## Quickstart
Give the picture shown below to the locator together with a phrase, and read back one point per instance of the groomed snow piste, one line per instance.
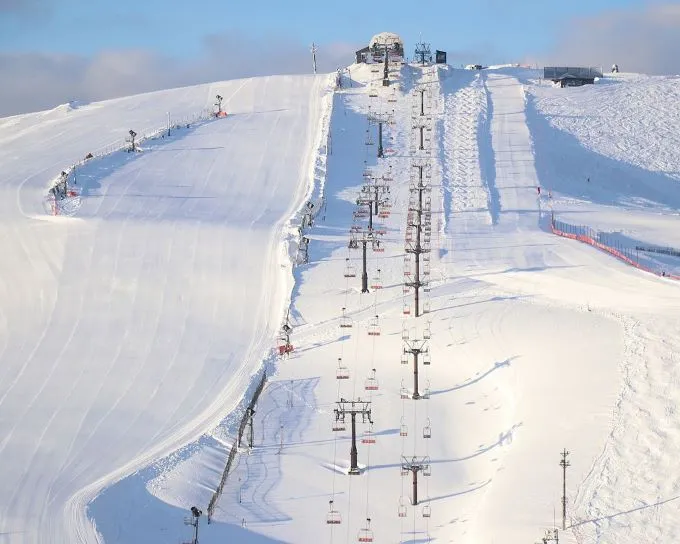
(131, 330)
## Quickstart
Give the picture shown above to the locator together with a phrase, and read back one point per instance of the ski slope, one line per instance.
(538, 343)
(130, 328)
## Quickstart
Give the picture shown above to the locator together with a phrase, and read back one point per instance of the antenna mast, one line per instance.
(314, 49)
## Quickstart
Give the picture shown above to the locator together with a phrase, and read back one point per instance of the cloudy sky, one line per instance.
(53, 51)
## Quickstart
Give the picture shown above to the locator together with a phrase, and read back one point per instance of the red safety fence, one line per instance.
(583, 234)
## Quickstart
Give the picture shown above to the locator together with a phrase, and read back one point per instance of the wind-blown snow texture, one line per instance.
(131, 329)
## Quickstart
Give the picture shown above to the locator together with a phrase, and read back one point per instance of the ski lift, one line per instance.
(339, 426)
(371, 383)
(401, 512)
(350, 269)
(426, 287)
(427, 469)
(345, 320)
(369, 437)
(285, 348)
(427, 358)
(383, 214)
(427, 333)
(426, 307)
(426, 392)
(427, 511)
(403, 429)
(333, 517)
(342, 373)
(365, 534)
(404, 332)
(427, 430)
(374, 327)
(407, 309)
(404, 357)
(377, 247)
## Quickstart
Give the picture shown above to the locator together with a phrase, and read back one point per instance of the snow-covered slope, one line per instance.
(129, 328)
(133, 328)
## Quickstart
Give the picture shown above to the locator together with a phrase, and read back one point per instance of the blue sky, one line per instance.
(502, 28)
(54, 51)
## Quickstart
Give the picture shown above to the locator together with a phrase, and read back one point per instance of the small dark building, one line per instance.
(571, 76)
(440, 57)
(363, 54)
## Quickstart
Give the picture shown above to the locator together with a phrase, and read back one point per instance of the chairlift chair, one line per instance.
(426, 392)
(427, 430)
(427, 468)
(371, 383)
(427, 359)
(333, 517)
(369, 437)
(376, 281)
(404, 332)
(374, 327)
(365, 534)
(427, 511)
(403, 429)
(350, 269)
(401, 512)
(342, 373)
(285, 348)
(407, 309)
(345, 320)
(404, 358)
(426, 307)
(339, 425)
(427, 333)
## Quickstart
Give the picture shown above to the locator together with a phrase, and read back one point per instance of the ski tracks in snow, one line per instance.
(631, 493)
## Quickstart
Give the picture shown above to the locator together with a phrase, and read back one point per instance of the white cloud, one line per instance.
(645, 40)
(36, 81)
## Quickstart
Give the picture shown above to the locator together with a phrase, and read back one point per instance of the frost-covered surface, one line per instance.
(539, 343)
(130, 328)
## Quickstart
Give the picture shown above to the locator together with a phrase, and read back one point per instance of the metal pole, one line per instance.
(168, 123)
(196, 532)
(416, 394)
(564, 464)
(421, 138)
(415, 485)
(422, 98)
(376, 200)
(354, 467)
(417, 285)
(314, 57)
(370, 216)
(364, 274)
